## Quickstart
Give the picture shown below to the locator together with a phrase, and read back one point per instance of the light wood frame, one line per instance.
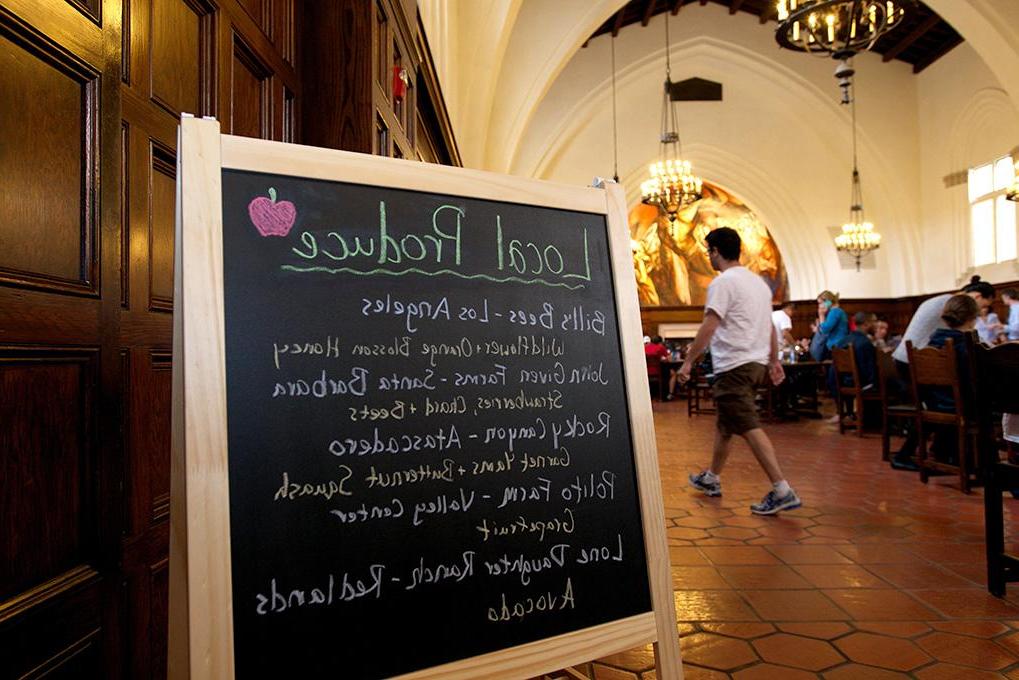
(201, 602)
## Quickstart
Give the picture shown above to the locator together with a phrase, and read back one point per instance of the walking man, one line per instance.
(737, 324)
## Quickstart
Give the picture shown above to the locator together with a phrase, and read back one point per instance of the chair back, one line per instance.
(996, 377)
(931, 367)
(887, 375)
(654, 366)
(844, 363)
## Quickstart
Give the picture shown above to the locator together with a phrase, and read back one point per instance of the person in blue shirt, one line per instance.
(1011, 298)
(833, 324)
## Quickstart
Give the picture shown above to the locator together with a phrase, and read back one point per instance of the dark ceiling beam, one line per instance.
(618, 24)
(676, 6)
(734, 6)
(918, 32)
(937, 54)
(704, 2)
(648, 11)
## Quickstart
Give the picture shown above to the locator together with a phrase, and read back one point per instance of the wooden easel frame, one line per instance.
(201, 645)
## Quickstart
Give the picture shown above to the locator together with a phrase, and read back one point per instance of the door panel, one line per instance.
(48, 171)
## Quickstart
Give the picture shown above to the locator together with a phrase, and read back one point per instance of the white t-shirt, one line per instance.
(743, 301)
(782, 323)
(925, 321)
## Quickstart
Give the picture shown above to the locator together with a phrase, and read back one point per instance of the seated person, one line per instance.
(960, 315)
(863, 351)
(880, 336)
(657, 349)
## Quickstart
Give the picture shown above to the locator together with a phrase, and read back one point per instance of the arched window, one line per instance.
(992, 216)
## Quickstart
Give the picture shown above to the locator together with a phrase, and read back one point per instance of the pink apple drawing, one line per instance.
(272, 217)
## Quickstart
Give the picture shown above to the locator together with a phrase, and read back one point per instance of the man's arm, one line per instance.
(700, 343)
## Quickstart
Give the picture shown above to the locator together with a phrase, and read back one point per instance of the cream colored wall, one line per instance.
(779, 139)
(526, 99)
(965, 119)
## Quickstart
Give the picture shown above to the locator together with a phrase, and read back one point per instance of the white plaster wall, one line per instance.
(779, 139)
(525, 99)
(965, 119)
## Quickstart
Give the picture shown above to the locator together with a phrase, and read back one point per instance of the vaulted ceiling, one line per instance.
(922, 39)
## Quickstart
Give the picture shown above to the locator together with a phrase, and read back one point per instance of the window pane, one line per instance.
(981, 181)
(1003, 173)
(982, 229)
(1005, 228)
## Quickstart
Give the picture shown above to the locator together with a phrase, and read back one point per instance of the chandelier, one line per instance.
(1013, 191)
(858, 236)
(672, 184)
(837, 28)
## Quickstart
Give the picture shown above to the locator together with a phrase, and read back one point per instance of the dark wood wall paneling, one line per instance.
(896, 311)
(92, 91)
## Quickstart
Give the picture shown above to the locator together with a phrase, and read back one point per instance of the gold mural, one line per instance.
(671, 261)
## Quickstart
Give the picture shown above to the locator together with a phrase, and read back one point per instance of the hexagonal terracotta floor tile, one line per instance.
(744, 630)
(981, 629)
(966, 651)
(640, 659)
(767, 671)
(799, 652)
(854, 671)
(716, 651)
(903, 629)
(822, 630)
(948, 671)
(886, 652)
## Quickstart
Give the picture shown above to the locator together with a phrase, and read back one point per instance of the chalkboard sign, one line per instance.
(429, 450)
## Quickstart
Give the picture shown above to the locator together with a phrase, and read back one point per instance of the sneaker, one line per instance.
(705, 486)
(834, 420)
(772, 504)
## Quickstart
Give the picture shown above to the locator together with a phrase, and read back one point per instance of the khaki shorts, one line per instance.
(734, 392)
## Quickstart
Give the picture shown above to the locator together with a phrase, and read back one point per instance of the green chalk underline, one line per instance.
(441, 272)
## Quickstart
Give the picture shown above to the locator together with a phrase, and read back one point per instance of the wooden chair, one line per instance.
(932, 368)
(995, 377)
(844, 365)
(893, 407)
(654, 375)
(699, 390)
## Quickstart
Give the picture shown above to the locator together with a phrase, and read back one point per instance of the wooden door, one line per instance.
(90, 94)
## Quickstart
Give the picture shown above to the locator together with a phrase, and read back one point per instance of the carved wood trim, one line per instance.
(125, 42)
(93, 9)
(68, 64)
(206, 13)
(79, 576)
(258, 68)
(125, 212)
(162, 159)
(161, 360)
(65, 655)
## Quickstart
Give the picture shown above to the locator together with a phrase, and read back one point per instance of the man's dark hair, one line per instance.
(726, 241)
(657, 340)
(1012, 293)
(862, 318)
(975, 285)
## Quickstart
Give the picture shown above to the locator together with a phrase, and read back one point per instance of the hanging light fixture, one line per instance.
(858, 236)
(672, 184)
(837, 28)
(830, 27)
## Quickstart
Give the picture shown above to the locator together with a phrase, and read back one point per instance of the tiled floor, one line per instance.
(877, 576)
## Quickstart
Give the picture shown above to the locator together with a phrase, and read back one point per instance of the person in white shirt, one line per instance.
(782, 319)
(744, 347)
